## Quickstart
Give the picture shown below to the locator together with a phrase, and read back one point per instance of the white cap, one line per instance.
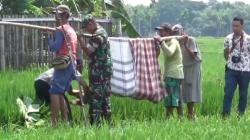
(177, 27)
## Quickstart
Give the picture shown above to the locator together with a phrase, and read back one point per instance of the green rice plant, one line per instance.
(133, 119)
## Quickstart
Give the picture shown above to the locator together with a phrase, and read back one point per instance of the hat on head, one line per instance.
(87, 19)
(164, 26)
(177, 27)
(62, 9)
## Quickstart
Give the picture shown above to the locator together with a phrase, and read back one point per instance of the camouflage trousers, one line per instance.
(99, 104)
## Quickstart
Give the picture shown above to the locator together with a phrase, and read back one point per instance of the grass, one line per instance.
(133, 119)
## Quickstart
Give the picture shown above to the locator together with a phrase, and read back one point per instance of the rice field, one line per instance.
(132, 119)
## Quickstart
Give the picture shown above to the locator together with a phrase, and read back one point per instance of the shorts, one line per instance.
(61, 80)
(173, 87)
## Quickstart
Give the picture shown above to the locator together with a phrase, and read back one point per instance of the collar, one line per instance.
(244, 36)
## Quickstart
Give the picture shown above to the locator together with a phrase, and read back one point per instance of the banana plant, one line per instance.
(112, 8)
(116, 9)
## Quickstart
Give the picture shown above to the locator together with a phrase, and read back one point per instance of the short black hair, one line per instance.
(240, 19)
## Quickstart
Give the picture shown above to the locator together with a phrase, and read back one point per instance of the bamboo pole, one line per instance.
(39, 27)
(171, 37)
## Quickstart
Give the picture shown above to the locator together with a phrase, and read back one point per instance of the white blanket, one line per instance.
(123, 79)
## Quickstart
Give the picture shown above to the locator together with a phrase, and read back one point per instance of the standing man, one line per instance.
(191, 89)
(100, 70)
(237, 55)
(173, 74)
(65, 40)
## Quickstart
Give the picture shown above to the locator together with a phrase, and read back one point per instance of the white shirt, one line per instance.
(47, 76)
(192, 46)
(244, 64)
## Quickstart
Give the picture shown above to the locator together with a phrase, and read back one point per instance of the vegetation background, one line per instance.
(132, 119)
(137, 119)
(199, 18)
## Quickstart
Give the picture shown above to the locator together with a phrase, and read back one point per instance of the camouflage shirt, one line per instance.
(100, 64)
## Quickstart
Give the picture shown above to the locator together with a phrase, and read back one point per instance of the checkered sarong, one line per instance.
(147, 70)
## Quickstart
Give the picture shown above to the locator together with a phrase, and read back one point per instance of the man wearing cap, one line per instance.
(65, 40)
(173, 73)
(191, 89)
(100, 70)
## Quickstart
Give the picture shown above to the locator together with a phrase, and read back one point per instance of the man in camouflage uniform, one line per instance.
(100, 70)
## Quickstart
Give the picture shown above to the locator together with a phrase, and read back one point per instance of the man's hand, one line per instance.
(158, 39)
(46, 33)
(96, 39)
(81, 40)
(184, 38)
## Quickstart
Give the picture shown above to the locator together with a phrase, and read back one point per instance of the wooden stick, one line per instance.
(27, 26)
(171, 37)
(38, 27)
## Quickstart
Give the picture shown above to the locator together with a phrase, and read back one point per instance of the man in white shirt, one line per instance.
(237, 55)
(42, 86)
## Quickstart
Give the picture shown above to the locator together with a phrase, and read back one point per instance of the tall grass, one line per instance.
(135, 119)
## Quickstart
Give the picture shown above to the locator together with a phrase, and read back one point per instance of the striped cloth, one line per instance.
(123, 79)
(147, 70)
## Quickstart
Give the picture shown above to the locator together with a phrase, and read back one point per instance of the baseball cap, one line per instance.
(164, 26)
(87, 19)
(177, 27)
(62, 9)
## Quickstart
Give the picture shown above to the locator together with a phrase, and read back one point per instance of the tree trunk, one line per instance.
(118, 27)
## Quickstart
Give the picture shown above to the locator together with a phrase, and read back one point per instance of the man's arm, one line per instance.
(82, 45)
(169, 50)
(93, 44)
(55, 45)
(192, 49)
(226, 53)
(191, 53)
(226, 49)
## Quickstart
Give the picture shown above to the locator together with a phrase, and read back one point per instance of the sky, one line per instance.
(147, 2)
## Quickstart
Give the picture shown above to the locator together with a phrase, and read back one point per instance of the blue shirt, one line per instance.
(54, 45)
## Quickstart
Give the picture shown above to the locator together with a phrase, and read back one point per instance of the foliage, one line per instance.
(116, 10)
(205, 128)
(99, 8)
(133, 119)
(199, 19)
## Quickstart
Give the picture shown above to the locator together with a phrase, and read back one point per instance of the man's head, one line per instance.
(62, 13)
(89, 24)
(178, 29)
(238, 25)
(164, 30)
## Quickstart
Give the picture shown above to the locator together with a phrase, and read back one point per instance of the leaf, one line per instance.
(27, 101)
(30, 112)
(116, 5)
(33, 108)
(130, 29)
(21, 106)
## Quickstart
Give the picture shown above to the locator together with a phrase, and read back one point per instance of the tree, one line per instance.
(199, 18)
